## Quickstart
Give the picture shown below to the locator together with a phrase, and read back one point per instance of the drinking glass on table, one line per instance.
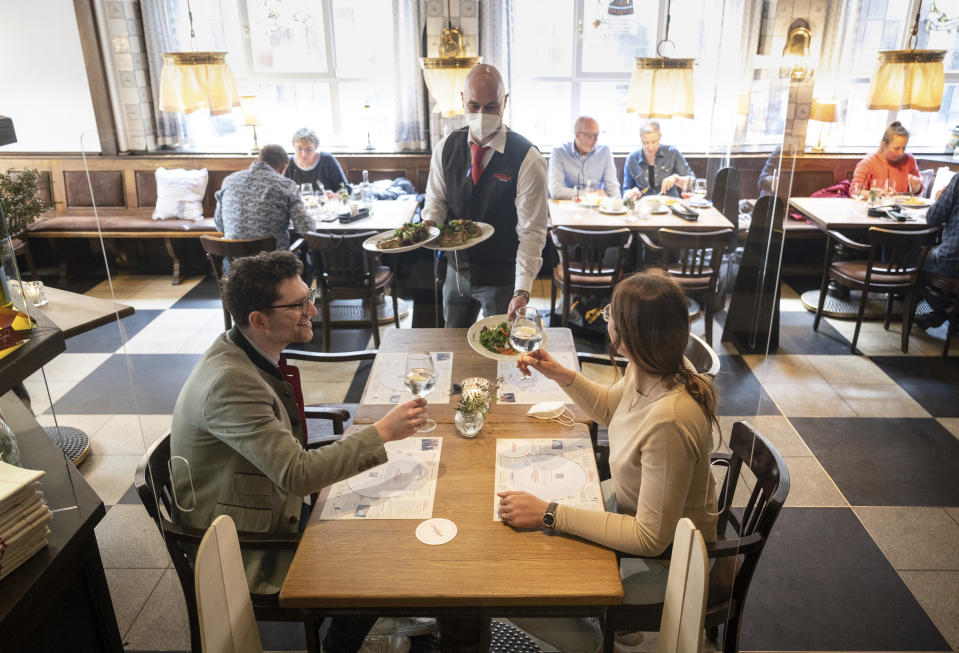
(421, 379)
(855, 188)
(686, 186)
(526, 335)
(306, 194)
(915, 185)
(699, 190)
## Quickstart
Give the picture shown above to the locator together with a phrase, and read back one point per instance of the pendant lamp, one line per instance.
(190, 81)
(662, 87)
(445, 75)
(908, 79)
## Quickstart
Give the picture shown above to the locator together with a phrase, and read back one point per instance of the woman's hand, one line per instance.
(403, 421)
(542, 362)
(521, 509)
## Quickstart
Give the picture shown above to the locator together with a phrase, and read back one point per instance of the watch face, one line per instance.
(549, 519)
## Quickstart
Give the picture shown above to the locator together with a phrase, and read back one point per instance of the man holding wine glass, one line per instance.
(238, 431)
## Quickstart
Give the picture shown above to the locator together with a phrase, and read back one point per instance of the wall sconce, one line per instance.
(796, 63)
(908, 79)
(662, 87)
(445, 75)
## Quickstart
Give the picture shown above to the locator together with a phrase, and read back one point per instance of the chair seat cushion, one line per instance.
(382, 276)
(121, 223)
(686, 283)
(605, 279)
(856, 271)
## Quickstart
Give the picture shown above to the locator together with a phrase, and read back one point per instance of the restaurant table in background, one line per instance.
(384, 215)
(488, 569)
(845, 214)
(566, 213)
(466, 363)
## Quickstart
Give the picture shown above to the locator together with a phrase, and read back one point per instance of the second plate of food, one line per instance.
(453, 241)
(401, 240)
(497, 327)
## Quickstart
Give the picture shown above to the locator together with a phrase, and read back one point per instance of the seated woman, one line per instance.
(890, 164)
(655, 168)
(660, 417)
(310, 166)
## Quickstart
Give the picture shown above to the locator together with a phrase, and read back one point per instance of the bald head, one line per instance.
(585, 134)
(484, 91)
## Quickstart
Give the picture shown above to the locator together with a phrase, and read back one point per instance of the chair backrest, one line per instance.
(744, 533)
(583, 252)
(340, 259)
(898, 251)
(218, 249)
(224, 607)
(725, 195)
(681, 629)
(693, 254)
(702, 356)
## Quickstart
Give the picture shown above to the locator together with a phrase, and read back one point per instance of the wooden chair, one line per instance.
(220, 249)
(582, 267)
(743, 533)
(894, 259)
(155, 489)
(347, 271)
(21, 247)
(684, 608)
(693, 260)
(948, 289)
(224, 608)
(725, 196)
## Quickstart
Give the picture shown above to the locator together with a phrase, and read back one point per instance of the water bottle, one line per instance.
(366, 190)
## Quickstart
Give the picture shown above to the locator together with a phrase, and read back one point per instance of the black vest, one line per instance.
(492, 200)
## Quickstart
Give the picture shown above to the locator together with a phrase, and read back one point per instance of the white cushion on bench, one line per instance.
(180, 193)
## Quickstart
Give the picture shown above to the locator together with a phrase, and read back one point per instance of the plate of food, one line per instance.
(699, 203)
(913, 202)
(613, 206)
(402, 239)
(461, 234)
(490, 338)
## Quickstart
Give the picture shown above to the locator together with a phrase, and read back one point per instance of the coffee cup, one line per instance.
(653, 204)
(614, 204)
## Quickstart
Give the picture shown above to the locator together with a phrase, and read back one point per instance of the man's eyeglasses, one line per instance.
(303, 304)
(590, 134)
(607, 313)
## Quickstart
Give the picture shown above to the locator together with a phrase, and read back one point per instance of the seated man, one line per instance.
(655, 168)
(943, 259)
(237, 424)
(260, 201)
(310, 166)
(582, 162)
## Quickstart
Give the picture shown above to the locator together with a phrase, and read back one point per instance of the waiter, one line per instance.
(488, 173)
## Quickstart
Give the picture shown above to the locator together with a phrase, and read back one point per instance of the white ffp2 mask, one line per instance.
(555, 411)
(483, 125)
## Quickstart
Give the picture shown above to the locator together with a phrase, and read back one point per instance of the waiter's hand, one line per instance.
(428, 223)
(516, 303)
(403, 421)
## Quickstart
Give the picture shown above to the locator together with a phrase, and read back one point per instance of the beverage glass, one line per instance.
(699, 190)
(421, 379)
(686, 186)
(854, 190)
(306, 194)
(526, 335)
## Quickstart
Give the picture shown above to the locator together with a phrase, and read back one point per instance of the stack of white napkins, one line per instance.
(23, 516)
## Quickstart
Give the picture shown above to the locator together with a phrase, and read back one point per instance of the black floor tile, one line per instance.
(823, 585)
(203, 295)
(107, 338)
(931, 380)
(157, 379)
(886, 462)
(796, 336)
(130, 496)
(740, 392)
(355, 393)
(282, 635)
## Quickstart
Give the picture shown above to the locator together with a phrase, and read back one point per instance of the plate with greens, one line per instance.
(490, 338)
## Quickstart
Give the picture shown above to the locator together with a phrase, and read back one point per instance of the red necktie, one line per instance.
(477, 168)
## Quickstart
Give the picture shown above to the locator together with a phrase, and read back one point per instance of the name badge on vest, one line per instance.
(499, 176)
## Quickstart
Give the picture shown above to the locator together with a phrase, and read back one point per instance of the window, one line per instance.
(324, 65)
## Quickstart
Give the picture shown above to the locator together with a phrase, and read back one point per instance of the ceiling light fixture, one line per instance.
(908, 79)
(445, 75)
(662, 87)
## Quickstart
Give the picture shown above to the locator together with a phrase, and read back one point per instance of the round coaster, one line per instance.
(507, 638)
(436, 531)
(72, 441)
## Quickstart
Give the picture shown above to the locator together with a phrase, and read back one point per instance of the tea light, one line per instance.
(476, 385)
(33, 292)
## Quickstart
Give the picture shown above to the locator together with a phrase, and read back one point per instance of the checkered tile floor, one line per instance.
(865, 556)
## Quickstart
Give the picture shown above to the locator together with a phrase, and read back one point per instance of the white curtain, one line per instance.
(411, 112)
(161, 35)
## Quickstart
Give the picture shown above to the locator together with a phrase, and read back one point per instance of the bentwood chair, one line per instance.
(21, 247)
(224, 608)
(583, 267)
(894, 258)
(684, 607)
(347, 271)
(693, 260)
(742, 536)
(219, 250)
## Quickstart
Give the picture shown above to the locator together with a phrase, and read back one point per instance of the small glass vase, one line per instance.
(469, 424)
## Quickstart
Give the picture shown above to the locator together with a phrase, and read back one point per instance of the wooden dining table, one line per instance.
(384, 215)
(466, 364)
(846, 213)
(567, 213)
(357, 566)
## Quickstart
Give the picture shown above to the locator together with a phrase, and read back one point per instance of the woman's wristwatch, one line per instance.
(549, 519)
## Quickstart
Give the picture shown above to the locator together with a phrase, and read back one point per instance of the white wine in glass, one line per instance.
(421, 379)
(526, 335)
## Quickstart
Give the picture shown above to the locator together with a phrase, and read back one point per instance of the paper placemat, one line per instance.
(542, 389)
(401, 488)
(387, 384)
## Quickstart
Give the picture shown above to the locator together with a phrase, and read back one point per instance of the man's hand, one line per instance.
(521, 509)
(403, 421)
(668, 183)
(515, 304)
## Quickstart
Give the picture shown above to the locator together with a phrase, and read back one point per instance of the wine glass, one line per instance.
(306, 194)
(686, 186)
(855, 190)
(699, 190)
(526, 335)
(421, 379)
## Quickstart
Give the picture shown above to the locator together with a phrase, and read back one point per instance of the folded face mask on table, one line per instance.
(555, 411)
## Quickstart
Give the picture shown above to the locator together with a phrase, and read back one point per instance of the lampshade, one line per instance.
(251, 109)
(445, 78)
(823, 111)
(908, 79)
(662, 88)
(190, 81)
(620, 8)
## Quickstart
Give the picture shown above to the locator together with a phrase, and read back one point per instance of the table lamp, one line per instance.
(822, 111)
(251, 117)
